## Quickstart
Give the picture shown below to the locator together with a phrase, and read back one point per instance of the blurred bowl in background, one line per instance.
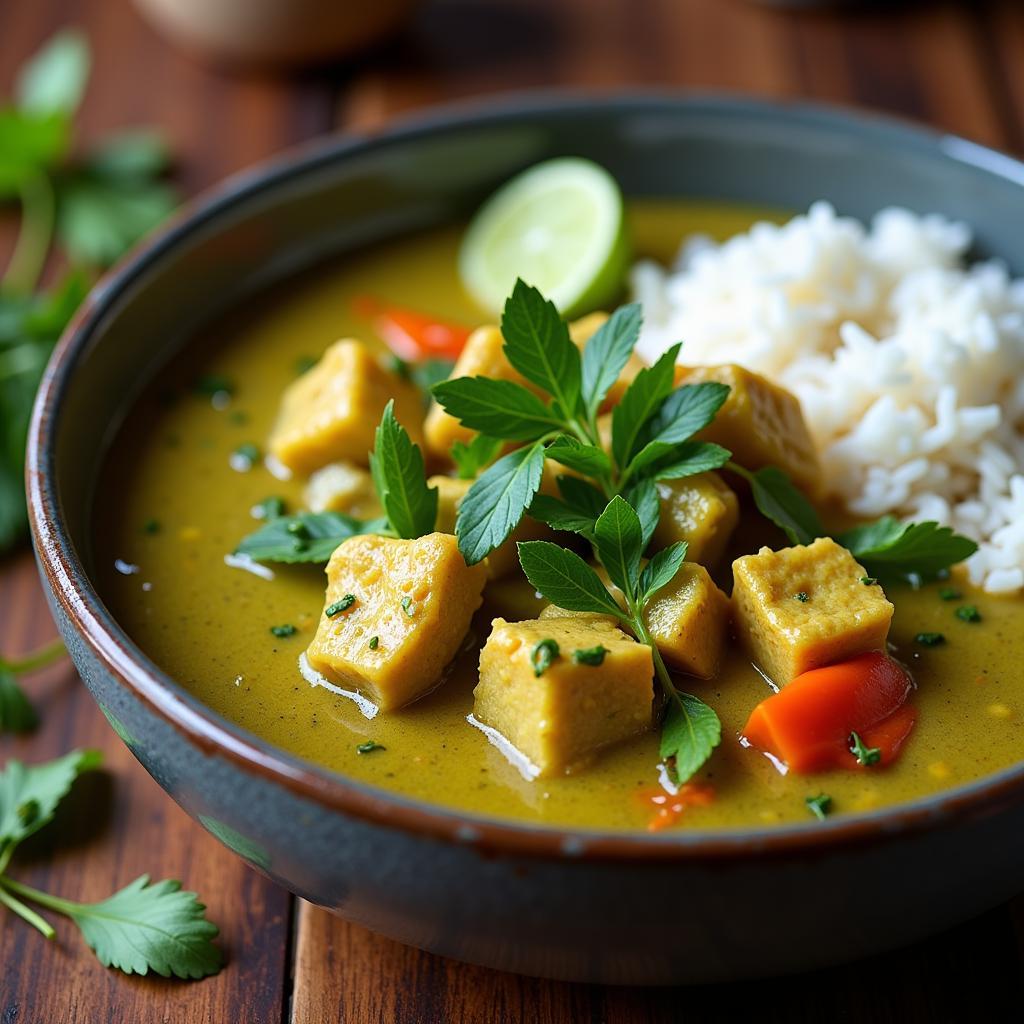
(274, 32)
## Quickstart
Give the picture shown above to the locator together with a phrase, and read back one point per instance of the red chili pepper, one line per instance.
(411, 335)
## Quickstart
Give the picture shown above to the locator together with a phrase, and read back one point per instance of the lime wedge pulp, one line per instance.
(560, 226)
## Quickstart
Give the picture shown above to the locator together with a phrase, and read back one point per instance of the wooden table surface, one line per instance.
(959, 66)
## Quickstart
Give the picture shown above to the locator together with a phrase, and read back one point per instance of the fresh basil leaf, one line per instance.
(564, 578)
(581, 496)
(779, 500)
(685, 411)
(399, 477)
(55, 78)
(661, 570)
(42, 786)
(130, 155)
(304, 537)
(560, 516)
(470, 459)
(537, 344)
(688, 459)
(890, 547)
(606, 354)
(499, 408)
(618, 538)
(496, 502)
(16, 712)
(641, 401)
(689, 734)
(587, 459)
(144, 928)
(643, 497)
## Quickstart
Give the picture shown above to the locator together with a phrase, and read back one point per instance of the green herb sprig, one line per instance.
(691, 730)
(141, 928)
(17, 715)
(93, 207)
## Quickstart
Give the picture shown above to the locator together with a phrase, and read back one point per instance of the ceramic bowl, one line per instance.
(679, 906)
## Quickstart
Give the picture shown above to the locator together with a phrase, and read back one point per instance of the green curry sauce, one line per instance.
(176, 497)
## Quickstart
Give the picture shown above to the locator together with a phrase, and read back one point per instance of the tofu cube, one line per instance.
(688, 620)
(330, 413)
(552, 611)
(761, 423)
(805, 607)
(343, 487)
(563, 717)
(701, 510)
(504, 559)
(416, 597)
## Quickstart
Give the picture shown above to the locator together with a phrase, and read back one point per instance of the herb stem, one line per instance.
(26, 913)
(36, 660)
(38, 209)
(44, 899)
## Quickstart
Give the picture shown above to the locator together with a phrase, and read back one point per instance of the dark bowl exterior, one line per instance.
(614, 908)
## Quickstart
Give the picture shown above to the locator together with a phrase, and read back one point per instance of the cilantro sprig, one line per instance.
(690, 730)
(652, 426)
(17, 715)
(93, 207)
(142, 927)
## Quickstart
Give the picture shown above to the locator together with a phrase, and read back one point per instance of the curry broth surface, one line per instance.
(208, 624)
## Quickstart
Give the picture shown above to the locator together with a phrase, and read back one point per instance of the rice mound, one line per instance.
(909, 363)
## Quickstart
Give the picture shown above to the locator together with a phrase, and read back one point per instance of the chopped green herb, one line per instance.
(820, 806)
(285, 630)
(239, 417)
(374, 642)
(930, 639)
(407, 606)
(950, 594)
(244, 457)
(801, 596)
(865, 756)
(543, 654)
(339, 606)
(869, 581)
(151, 526)
(304, 364)
(968, 613)
(268, 508)
(369, 747)
(214, 384)
(305, 537)
(590, 655)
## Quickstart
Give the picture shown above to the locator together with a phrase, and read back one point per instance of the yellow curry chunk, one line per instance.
(805, 607)
(562, 717)
(761, 423)
(504, 559)
(409, 610)
(701, 510)
(343, 487)
(331, 411)
(483, 356)
(552, 611)
(688, 620)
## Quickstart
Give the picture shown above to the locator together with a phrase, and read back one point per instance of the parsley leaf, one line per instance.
(661, 569)
(304, 537)
(561, 516)
(619, 542)
(537, 344)
(500, 408)
(890, 547)
(399, 477)
(690, 732)
(587, 459)
(471, 458)
(780, 501)
(493, 506)
(606, 354)
(686, 459)
(564, 578)
(685, 411)
(643, 496)
(642, 400)
(581, 496)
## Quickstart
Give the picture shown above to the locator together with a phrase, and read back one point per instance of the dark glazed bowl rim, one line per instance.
(212, 734)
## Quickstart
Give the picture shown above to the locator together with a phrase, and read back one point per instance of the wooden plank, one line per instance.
(1000, 29)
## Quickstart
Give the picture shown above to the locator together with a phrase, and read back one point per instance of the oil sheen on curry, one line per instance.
(570, 586)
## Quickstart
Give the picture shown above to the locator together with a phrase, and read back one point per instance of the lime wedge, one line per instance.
(560, 226)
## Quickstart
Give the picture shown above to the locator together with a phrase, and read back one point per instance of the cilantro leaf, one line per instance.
(688, 459)
(619, 542)
(396, 465)
(495, 503)
(41, 786)
(304, 537)
(606, 354)
(537, 344)
(143, 928)
(500, 408)
(54, 79)
(560, 516)
(16, 713)
(890, 547)
(471, 458)
(690, 733)
(642, 400)
(661, 570)
(587, 459)
(564, 578)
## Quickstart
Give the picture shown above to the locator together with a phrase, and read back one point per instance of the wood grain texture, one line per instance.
(959, 66)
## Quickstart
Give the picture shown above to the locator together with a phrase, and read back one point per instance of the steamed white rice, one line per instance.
(908, 362)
